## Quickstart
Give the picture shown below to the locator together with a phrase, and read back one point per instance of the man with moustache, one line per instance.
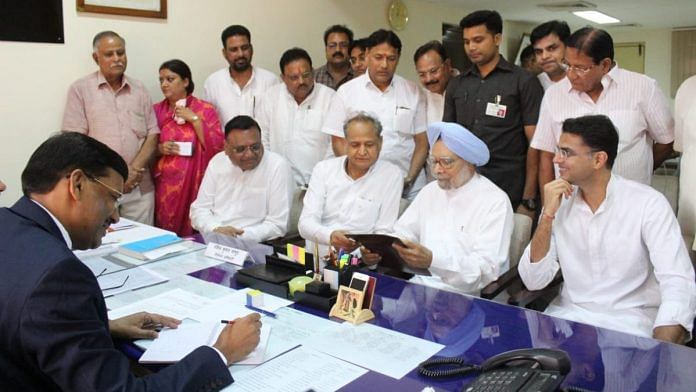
(434, 70)
(54, 330)
(337, 70)
(291, 115)
(245, 191)
(618, 243)
(235, 90)
(459, 227)
(117, 110)
(596, 85)
(499, 102)
(548, 41)
(397, 103)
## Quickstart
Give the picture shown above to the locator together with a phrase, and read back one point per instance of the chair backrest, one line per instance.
(295, 211)
(521, 234)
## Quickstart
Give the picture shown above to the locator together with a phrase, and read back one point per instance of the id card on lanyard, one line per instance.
(496, 109)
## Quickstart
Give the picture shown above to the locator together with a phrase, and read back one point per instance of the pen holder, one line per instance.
(339, 277)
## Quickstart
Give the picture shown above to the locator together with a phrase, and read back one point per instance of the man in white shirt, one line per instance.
(245, 191)
(291, 115)
(235, 90)
(434, 70)
(625, 266)
(460, 226)
(596, 85)
(398, 104)
(548, 41)
(685, 142)
(355, 193)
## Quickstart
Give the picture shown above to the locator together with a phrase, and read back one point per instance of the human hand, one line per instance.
(140, 325)
(670, 333)
(135, 175)
(229, 230)
(552, 195)
(168, 148)
(239, 338)
(186, 113)
(369, 257)
(414, 254)
(339, 240)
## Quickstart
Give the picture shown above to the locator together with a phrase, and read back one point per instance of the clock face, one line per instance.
(398, 15)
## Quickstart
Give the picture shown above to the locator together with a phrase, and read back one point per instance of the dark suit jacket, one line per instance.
(54, 332)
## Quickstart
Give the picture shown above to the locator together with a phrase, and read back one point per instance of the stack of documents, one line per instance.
(153, 248)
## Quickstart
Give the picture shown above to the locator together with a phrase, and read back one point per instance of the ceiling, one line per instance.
(649, 14)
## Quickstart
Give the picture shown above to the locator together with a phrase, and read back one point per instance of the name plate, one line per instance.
(226, 253)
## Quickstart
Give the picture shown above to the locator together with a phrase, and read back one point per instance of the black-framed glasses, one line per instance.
(255, 148)
(117, 199)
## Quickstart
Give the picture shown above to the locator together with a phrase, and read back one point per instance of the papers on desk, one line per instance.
(175, 303)
(128, 279)
(123, 232)
(382, 350)
(173, 345)
(231, 306)
(301, 369)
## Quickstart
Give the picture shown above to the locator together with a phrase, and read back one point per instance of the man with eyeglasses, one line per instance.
(235, 90)
(337, 70)
(618, 243)
(434, 69)
(291, 115)
(458, 227)
(596, 85)
(54, 330)
(245, 191)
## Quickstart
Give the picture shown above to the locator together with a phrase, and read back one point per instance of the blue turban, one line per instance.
(460, 141)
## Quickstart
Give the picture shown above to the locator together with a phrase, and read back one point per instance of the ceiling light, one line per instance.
(596, 17)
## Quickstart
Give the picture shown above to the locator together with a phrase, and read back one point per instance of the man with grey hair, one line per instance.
(353, 193)
(458, 227)
(117, 110)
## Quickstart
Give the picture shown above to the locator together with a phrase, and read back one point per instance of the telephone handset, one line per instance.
(536, 369)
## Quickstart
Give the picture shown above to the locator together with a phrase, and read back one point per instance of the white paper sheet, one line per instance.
(379, 349)
(175, 303)
(100, 266)
(137, 278)
(232, 305)
(299, 370)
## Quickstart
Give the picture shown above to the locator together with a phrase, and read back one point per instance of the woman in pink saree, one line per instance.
(190, 135)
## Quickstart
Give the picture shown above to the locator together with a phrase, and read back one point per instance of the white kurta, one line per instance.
(400, 109)
(685, 141)
(294, 131)
(334, 201)
(633, 102)
(625, 267)
(256, 201)
(435, 106)
(467, 229)
(230, 100)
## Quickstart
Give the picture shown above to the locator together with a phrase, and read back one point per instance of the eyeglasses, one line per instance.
(117, 199)
(566, 153)
(305, 76)
(431, 72)
(334, 45)
(254, 148)
(444, 162)
(579, 69)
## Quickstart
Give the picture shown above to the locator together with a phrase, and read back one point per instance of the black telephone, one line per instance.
(536, 369)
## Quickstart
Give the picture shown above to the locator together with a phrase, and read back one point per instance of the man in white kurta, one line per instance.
(685, 142)
(236, 89)
(458, 227)
(245, 191)
(396, 102)
(355, 193)
(291, 115)
(617, 241)
(434, 69)
(633, 102)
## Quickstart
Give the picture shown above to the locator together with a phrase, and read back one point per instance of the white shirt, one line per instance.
(256, 201)
(545, 80)
(230, 100)
(625, 267)
(632, 101)
(467, 229)
(400, 109)
(435, 106)
(334, 201)
(685, 141)
(294, 131)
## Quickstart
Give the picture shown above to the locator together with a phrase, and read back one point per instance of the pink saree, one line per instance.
(177, 178)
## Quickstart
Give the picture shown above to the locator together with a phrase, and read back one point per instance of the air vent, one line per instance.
(568, 6)
(626, 25)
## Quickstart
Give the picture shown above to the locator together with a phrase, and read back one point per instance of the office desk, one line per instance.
(476, 329)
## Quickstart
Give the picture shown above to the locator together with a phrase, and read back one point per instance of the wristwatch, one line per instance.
(529, 204)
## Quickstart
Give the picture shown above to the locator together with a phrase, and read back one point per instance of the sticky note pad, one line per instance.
(254, 298)
(296, 253)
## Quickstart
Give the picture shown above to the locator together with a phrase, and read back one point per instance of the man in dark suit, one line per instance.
(54, 331)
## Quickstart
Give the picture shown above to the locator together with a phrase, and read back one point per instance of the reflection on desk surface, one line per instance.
(477, 329)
